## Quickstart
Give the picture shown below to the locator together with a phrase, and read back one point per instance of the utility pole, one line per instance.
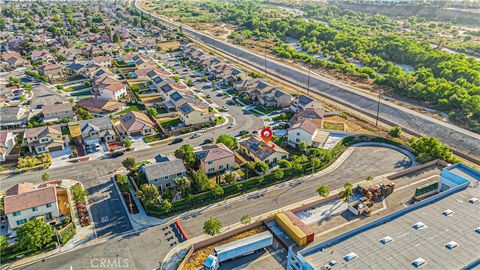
(378, 109)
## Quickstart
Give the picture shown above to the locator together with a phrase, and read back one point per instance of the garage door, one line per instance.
(55, 148)
(138, 133)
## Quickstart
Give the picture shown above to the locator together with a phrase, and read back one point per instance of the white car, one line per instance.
(231, 125)
(196, 135)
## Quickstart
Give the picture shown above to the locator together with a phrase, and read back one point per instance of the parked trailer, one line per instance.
(299, 223)
(300, 233)
(237, 249)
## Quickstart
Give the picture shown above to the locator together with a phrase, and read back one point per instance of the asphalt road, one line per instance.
(146, 249)
(458, 138)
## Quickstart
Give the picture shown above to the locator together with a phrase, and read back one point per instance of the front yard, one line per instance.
(170, 122)
(132, 107)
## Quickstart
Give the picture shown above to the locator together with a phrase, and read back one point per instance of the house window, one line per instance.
(148, 130)
(40, 149)
(166, 177)
(49, 205)
(21, 221)
(168, 185)
(179, 174)
(44, 140)
(284, 157)
(16, 213)
(297, 140)
(34, 209)
(210, 162)
(221, 167)
(298, 133)
(211, 170)
(229, 166)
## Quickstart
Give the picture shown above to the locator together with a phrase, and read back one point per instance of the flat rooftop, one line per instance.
(409, 244)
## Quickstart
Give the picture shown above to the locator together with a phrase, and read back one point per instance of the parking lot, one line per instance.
(109, 215)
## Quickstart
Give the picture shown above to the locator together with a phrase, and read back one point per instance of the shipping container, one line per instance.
(243, 246)
(297, 235)
(299, 223)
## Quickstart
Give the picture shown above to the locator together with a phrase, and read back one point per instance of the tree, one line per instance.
(298, 168)
(127, 143)
(129, 163)
(261, 166)
(250, 165)
(122, 182)
(45, 176)
(246, 219)
(116, 38)
(396, 131)
(212, 226)
(347, 192)
(278, 174)
(430, 148)
(228, 140)
(148, 194)
(323, 191)
(200, 181)
(34, 235)
(153, 112)
(187, 154)
(166, 205)
(302, 146)
(183, 185)
(3, 244)
(79, 193)
(217, 191)
(230, 178)
(284, 164)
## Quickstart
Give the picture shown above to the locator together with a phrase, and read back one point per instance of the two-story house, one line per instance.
(193, 114)
(136, 124)
(163, 173)
(24, 203)
(57, 112)
(215, 158)
(44, 139)
(303, 131)
(96, 130)
(257, 149)
(304, 102)
(51, 71)
(7, 142)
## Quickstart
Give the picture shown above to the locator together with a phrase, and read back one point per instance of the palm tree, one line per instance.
(323, 191)
(347, 192)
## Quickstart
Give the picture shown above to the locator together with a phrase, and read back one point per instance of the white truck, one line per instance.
(239, 248)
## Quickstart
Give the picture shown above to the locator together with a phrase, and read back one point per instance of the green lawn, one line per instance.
(170, 122)
(81, 93)
(75, 88)
(131, 107)
(265, 110)
(138, 164)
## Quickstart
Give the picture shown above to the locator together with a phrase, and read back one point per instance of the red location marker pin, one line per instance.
(266, 134)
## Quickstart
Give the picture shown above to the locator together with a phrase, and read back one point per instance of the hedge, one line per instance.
(67, 233)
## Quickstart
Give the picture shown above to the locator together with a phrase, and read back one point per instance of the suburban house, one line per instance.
(302, 103)
(250, 85)
(24, 203)
(276, 98)
(51, 71)
(7, 142)
(164, 172)
(208, 62)
(96, 130)
(44, 139)
(315, 115)
(75, 68)
(260, 151)
(192, 114)
(304, 131)
(215, 158)
(13, 117)
(136, 124)
(103, 61)
(100, 106)
(44, 55)
(109, 88)
(57, 112)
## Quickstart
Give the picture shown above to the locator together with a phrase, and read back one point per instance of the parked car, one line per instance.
(117, 154)
(208, 96)
(177, 140)
(196, 135)
(243, 132)
(231, 125)
(207, 141)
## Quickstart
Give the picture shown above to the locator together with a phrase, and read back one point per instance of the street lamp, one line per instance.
(265, 61)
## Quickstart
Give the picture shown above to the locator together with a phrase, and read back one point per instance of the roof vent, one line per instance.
(419, 225)
(447, 212)
(350, 256)
(419, 262)
(451, 245)
(385, 240)
(473, 200)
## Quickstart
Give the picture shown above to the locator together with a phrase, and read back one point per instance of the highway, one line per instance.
(459, 139)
